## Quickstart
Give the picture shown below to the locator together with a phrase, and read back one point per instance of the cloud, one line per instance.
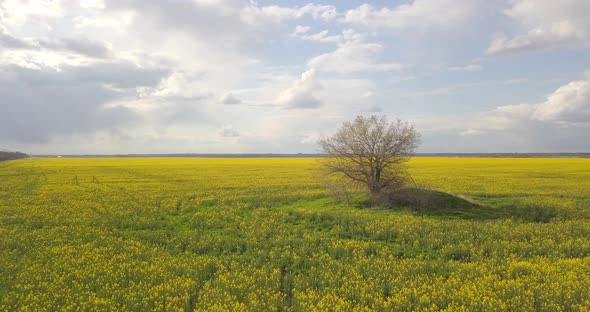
(178, 113)
(506, 117)
(149, 76)
(9, 42)
(546, 24)
(176, 102)
(148, 66)
(45, 47)
(347, 35)
(299, 29)
(528, 136)
(534, 40)
(180, 85)
(309, 137)
(300, 93)
(205, 20)
(229, 132)
(372, 108)
(82, 46)
(468, 68)
(566, 107)
(118, 74)
(322, 36)
(107, 74)
(227, 24)
(471, 132)
(558, 123)
(18, 12)
(37, 105)
(352, 56)
(422, 15)
(495, 132)
(570, 104)
(145, 75)
(256, 15)
(229, 99)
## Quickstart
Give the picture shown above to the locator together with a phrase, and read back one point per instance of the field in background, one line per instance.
(261, 234)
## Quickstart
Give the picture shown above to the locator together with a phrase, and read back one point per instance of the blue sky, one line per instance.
(231, 76)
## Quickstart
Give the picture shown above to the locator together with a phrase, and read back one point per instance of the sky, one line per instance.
(237, 76)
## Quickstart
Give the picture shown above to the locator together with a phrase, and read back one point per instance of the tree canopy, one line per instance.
(371, 151)
(4, 155)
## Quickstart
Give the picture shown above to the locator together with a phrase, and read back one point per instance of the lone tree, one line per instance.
(371, 152)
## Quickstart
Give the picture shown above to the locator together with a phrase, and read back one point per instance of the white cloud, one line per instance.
(257, 15)
(569, 104)
(325, 12)
(423, 15)
(299, 29)
(300, 94)
(180, 84)
(18, 12)
(566, 107)
(347, 35)
(92, 4)
(546, 23)
(499, 131)
(322, 36)
(468, 68)
(352, 56)
(115, 22)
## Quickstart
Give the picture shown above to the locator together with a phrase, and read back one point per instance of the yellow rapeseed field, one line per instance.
(207, 234)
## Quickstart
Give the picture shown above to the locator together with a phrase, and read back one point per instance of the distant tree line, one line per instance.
(4, 155)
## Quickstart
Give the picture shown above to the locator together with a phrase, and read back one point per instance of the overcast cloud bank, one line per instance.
(225, 76)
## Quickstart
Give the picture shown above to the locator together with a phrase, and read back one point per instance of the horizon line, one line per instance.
(310, 155)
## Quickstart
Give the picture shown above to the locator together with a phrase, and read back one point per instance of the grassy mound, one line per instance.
(424, 199)
(438, 203)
